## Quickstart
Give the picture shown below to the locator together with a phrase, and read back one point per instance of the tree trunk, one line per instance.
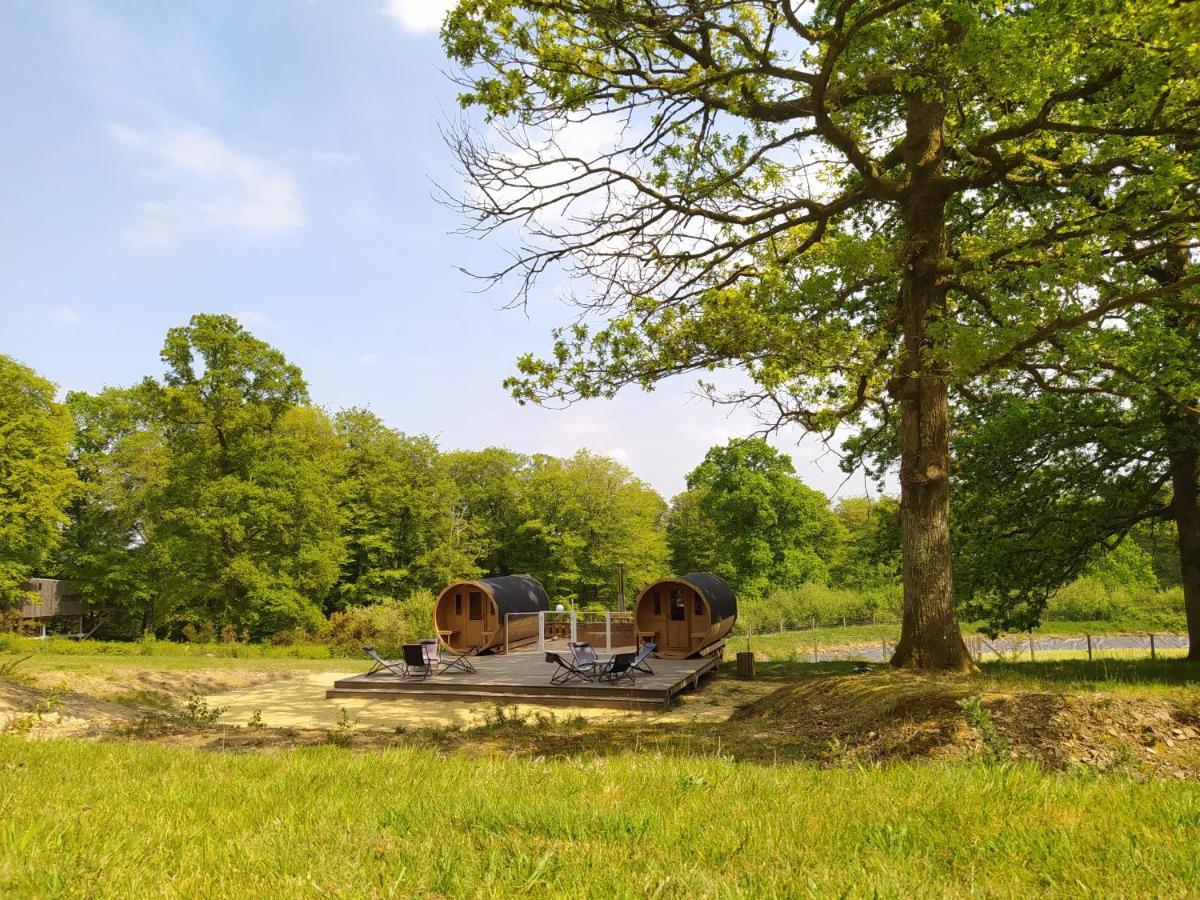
(929, 634)
(1185, 509)
(1183, 452)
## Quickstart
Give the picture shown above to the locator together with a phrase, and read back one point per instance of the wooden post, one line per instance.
(781, 624)
(1089, 640)
(883, 645)
(1153, 655)
(815, 655)
(608, 631)
(745, 665)
(814, 624)
(843, 621)
(507, 622)
(541, 631)
(1031, 659)
(574, 635)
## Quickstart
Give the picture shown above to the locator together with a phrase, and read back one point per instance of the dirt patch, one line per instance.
(895, 715)
(51, 703)
(39, 713)
(1147, 735)
(155, 686)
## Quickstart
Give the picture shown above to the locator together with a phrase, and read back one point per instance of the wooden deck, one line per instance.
(524, 677)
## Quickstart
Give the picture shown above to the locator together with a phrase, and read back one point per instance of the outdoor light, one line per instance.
(559, 608)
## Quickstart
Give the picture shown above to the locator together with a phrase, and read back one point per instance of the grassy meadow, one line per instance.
(120, 820)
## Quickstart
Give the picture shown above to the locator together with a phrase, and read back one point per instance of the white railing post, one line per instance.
(574, 637)
(541, 631)
(507, 622)
(608, 631)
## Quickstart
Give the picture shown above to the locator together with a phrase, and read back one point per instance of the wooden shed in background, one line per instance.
(685, 615)
(474, 613)
(54, 598)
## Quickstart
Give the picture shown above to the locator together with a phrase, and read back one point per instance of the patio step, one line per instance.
(642, 701)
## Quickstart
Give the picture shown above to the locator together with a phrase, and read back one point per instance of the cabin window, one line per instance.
(678, 610)
(476, 606)
(458, 604)
(699, 606)
(657, 604)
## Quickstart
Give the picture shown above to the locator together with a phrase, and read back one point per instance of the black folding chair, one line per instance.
(617, 668)
(565, 670)
(416, 663)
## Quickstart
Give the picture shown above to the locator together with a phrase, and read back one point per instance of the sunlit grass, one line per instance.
(60, 646)
(137, 820)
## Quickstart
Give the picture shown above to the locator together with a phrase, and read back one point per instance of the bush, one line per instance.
(797, 607)
(1090, 599)
(385, 625)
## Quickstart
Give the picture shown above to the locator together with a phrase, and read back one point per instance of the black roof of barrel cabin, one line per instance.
(515, 593)
(718, 594)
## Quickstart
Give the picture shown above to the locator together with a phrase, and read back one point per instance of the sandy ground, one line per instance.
(299, 702)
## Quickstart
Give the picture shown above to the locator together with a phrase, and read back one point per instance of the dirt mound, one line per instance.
(895, 715)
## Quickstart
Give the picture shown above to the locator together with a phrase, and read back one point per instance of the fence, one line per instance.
(609, 630)
(809, 645)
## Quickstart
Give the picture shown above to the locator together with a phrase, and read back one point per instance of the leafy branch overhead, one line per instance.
(746, 210)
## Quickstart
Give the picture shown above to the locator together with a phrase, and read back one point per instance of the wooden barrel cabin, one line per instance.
(685, 615)
(473, 613)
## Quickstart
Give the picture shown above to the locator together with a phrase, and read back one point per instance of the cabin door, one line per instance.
(679, 632)
(473, 631)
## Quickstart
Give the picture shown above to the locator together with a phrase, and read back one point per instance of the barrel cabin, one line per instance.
(687, 615)
(475, 613)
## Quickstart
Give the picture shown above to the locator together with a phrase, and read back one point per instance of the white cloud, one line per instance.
(252, 319)
(212, 188)
(418, 15)
(368, 359)
(64, 315)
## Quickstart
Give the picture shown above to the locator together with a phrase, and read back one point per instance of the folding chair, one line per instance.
(459, 663)
(565, 670)
(416, 663)
(620, 666)
(391, 666)
(639, 661)
(585, 656)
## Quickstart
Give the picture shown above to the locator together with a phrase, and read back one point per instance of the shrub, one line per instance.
(797, 607)
(1088, 599)
(386, 625)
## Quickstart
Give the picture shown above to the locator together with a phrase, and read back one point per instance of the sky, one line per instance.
(277, 161)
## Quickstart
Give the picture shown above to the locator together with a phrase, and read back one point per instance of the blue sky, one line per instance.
(275, 160)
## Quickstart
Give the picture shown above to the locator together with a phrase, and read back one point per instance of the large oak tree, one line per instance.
(776, 192)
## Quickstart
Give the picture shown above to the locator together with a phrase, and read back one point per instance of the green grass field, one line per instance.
(121, 820)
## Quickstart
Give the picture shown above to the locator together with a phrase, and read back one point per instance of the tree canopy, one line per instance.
(36, 483)
(768, 529)
(248, 516)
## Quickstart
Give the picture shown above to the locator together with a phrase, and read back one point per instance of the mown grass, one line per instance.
(84, 819)
(59, 646)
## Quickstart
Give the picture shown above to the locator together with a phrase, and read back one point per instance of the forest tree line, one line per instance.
(218, 496)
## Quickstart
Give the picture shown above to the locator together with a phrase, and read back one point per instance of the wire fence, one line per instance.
(811, 645)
